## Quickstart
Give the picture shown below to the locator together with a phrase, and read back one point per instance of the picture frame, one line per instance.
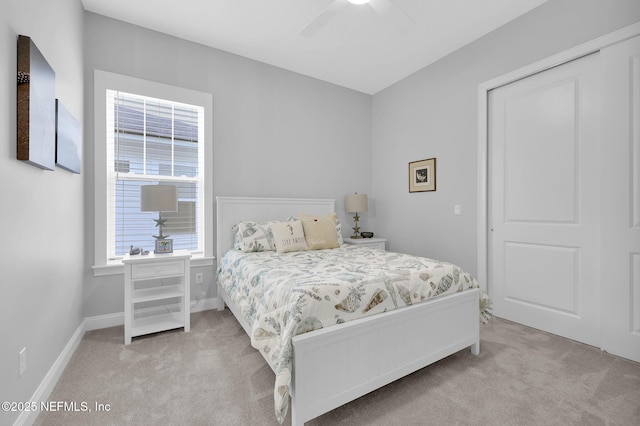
(422, 175)
(36, 107)
(164, 246)
(68, 140)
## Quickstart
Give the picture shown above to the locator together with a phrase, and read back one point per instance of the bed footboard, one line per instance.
(337, 365)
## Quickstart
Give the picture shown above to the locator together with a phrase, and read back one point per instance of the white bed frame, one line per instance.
(336, 365)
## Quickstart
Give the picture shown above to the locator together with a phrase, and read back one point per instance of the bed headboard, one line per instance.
(231, 210)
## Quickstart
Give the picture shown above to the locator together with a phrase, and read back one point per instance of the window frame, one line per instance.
(104, 81)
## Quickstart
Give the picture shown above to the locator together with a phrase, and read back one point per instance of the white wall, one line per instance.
(276, 133)
(41, 212)
(433, 113)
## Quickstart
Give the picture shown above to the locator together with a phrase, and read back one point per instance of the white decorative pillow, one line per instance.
(237, 237)
(339, 231)
(254, 236)
(288, 236)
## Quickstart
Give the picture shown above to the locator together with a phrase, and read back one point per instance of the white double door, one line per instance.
(564, 199)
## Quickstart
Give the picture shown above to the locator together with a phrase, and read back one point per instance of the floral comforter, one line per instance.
(282, 295)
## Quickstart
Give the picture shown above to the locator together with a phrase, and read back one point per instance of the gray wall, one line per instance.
(433, 113)
(276, 133)
(41, 212)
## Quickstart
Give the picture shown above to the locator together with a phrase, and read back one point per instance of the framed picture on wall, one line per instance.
(422, 175)
(36, 107)
(68, 140)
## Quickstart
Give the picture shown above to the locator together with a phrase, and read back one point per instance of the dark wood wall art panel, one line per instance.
(36, 106)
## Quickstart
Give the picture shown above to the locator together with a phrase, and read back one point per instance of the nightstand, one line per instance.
(153, 267)
(376, 243)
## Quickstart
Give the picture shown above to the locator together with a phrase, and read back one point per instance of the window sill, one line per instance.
(117, 268)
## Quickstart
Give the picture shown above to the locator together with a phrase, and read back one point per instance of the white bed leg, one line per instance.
(220, 306)
(475, 348)
(294, 419)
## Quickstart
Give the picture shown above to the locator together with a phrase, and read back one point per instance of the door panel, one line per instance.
(620, 162)
(544, 200)
(540, 153)
(526, 282)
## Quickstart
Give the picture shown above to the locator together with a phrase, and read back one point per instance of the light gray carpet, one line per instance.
(212, 376)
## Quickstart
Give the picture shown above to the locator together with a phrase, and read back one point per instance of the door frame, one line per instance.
(483, 136)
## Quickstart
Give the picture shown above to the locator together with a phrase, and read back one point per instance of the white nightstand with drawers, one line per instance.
(149, 268)
(376, 243)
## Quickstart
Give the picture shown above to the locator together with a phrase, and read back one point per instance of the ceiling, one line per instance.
(357, 48)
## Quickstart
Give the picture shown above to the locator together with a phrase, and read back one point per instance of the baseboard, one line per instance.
(103, 321)
(204, 304)
(43, 391)
(97, 322)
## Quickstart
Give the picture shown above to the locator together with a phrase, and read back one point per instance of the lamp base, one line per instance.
(159, 222)
(355, 237)
(356, 229)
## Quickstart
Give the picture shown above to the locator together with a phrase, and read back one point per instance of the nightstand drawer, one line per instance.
(156, 270)
(374, 243)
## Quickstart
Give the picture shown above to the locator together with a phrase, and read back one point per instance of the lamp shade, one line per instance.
(158, 198)
(355, 203)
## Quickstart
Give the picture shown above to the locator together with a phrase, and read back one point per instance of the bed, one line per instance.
(322, 367)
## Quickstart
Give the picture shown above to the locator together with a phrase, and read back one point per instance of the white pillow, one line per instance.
(254, 236)
(288, 236)
(339, 231)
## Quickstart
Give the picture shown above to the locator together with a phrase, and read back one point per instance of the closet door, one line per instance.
(620, 167)
(544, 206)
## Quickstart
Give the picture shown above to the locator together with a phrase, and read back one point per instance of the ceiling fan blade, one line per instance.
(323, 17)
(391, 12)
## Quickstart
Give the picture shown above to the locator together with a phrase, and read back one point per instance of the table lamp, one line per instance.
(159, 198)
(353, 204)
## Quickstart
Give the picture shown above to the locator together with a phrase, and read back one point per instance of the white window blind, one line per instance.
(152, 141)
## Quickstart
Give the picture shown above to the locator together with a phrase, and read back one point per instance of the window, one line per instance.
(153, 134)
(153, 141)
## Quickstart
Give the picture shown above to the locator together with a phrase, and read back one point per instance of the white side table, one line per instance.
(376, 243)
(138, 268)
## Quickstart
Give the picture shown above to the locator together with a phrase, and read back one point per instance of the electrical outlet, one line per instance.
(22, 355)
(199, 278)
(457, 210)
